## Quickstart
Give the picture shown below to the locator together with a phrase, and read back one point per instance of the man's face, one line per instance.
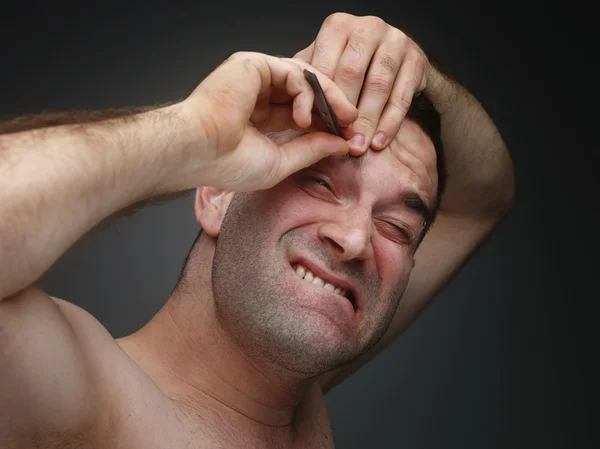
(353, 223)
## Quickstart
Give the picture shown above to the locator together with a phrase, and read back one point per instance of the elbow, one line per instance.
(509, 185)
(501, 197)
(489, 194)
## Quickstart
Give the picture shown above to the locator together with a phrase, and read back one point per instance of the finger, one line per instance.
(278, 117)
(281, 118)
(376, 90)
(288, 82)
(406, 85)
(282, 80)
(299, 88)
(283, 108)
(302, 108)
(328, 46)
(318, 124)
(345, 112)
(354, 62)
(308, 149)
(307, 53)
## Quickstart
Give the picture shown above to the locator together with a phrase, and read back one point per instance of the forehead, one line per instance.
(408, 163)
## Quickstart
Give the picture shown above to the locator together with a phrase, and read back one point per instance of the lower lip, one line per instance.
(337, 307)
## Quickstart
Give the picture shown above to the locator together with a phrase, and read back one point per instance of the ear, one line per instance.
(210, 206)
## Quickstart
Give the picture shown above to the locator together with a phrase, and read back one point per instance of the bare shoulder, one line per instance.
(86, 329)
(62, 372)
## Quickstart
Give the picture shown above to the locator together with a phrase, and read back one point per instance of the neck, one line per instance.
(189, 356)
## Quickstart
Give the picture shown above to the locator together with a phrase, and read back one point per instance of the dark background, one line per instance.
(503, 358)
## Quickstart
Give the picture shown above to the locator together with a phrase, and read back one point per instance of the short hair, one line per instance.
(423, 112)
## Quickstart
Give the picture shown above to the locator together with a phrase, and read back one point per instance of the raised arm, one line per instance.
(479, 192)
(381, 69)
(60, 180)
(481, 176)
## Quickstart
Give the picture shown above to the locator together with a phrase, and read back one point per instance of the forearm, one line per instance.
(57, 183)
(480, 177)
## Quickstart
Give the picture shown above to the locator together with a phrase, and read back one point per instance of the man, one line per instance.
(301, 272)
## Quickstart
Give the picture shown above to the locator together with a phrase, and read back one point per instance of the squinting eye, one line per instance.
(320, 182)
(403, 232)
(404, 236)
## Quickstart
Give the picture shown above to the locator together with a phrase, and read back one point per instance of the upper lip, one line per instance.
(332, 279)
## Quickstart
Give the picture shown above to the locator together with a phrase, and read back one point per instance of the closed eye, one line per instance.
(320, 182)
(396, 233)
(403, 232)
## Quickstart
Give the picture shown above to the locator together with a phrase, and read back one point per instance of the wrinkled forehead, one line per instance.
(410, 136)
(410, 157)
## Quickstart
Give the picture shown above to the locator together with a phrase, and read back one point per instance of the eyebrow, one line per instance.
(411, 198)
(416, 202)
(356, 160)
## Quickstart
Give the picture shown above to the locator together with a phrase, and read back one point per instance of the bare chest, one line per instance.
(174, 429)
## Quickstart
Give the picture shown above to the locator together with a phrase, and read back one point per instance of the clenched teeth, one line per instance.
(308, 276)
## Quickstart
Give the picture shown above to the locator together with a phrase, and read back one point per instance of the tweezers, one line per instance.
(322, 104)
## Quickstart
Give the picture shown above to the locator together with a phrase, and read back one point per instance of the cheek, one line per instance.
(394, 264)
(290, 206)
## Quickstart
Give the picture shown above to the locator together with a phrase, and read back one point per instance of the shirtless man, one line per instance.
(244, 349)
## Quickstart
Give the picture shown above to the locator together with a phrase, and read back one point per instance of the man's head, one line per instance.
(354, 223)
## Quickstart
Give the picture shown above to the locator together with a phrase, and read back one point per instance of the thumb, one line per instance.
(309, 149)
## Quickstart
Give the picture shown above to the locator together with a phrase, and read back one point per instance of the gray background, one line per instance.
(502, 358)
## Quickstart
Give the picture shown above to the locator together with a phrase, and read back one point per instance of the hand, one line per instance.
(248, 95)
(365, 53)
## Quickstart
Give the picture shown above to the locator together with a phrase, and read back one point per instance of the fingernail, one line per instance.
(357, 142)
(380, 139)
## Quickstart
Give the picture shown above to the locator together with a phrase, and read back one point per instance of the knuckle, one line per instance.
(365, 122)
(402, 103)
(374, 23)
(358, 43)
(324, 68)
(417, 56)
(351, 71)
(233, 57)
(388, 64)
(336, 18)
(420, 63)
(323, 65)
(241, 55)
(244, 58)
(397, 36)
(378, 84)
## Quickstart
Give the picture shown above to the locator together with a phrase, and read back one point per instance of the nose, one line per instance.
(348, 235)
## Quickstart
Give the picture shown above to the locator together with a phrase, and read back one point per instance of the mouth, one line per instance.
(319, 277)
